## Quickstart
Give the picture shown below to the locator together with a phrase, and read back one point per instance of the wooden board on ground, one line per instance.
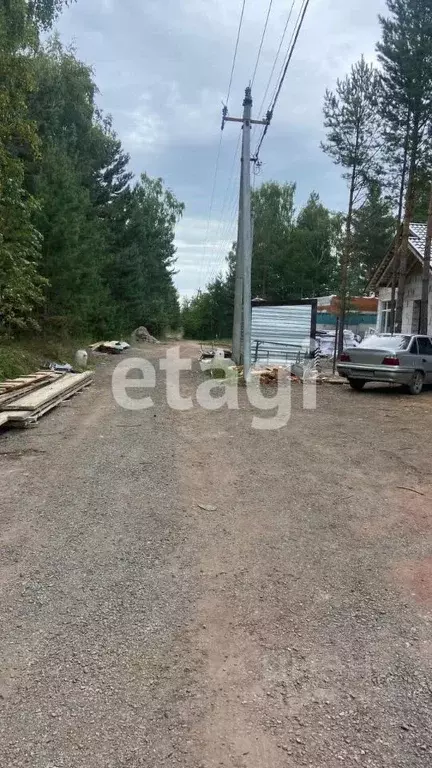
(52, 392)
(33, 384)
(30, 418)
(20, 382)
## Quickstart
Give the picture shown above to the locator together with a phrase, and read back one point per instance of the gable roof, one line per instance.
(417, 239)
(416, 246)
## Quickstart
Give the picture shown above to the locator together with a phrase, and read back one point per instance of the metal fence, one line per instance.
(279, 333)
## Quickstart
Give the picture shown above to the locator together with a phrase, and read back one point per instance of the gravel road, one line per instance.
(287, 624)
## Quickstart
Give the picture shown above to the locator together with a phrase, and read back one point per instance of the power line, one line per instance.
(222, 223)
(212, 198)
(262, 42)
(282, 40)
(235, 51)
(276, 58)
(300, 20)
(221, 135)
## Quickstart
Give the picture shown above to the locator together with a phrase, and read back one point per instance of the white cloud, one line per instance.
(202, 248)
(163, 66)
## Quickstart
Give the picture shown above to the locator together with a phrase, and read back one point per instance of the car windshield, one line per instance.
(386, 342)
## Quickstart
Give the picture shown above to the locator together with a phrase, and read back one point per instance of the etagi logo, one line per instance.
(137, 373)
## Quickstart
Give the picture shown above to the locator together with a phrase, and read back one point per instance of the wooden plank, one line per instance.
(4, 418)
(23, 381)
(42, 396)
(48, 404)
(32, 416)
(9, 397)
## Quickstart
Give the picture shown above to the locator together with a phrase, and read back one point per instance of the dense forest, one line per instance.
(84, 248)
(378, 126)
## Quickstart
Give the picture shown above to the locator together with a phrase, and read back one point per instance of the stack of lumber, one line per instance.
(22, 404)
(13, 388)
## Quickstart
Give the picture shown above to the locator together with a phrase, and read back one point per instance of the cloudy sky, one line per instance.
(162, 68)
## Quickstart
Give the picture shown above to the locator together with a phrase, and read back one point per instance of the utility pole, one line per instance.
(238, 295)
(246, 241)
(243, 289)
(424, 306)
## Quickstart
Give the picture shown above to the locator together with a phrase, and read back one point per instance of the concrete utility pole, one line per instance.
(238, 295)
(246, 240)
(243, 289)
(424, 306)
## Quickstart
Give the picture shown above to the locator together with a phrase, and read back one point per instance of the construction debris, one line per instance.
(216, 353)
(60, 367)
(81, 358)
(13, 388)
(141, 334)
(23, 405)
(278, 374)
(110, 347)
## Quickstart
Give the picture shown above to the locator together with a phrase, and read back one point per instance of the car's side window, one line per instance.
(413, 347)
(424, 345)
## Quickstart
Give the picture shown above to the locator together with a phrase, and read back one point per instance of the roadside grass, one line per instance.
(22, 356)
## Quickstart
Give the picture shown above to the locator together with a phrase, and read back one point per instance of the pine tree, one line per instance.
(353, 142)
(405, 54)
(373, 232)
(140, 276)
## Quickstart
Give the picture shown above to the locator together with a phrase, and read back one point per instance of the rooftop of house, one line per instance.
(383, 274)
(417, 239)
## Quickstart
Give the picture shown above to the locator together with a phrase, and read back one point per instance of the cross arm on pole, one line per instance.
(241, 120)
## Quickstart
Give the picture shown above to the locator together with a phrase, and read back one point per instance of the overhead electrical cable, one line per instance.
(261, 42)
(235, 51)
(221, 135)
(300, 20)
(282, 40)
(212, 200)
(230, 188)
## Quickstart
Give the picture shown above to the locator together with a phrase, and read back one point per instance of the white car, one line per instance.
(399, 359)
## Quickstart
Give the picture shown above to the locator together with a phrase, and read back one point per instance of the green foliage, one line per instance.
(81, 251)
(405, 55)
(209, 314)
(313, 265)
(140, 274)
(293, 258)
(20, 283)
(374, 227)
(21, 286)
(26, 355)
(273, 215)
(44, 12)
(354, 142)
(352, 122)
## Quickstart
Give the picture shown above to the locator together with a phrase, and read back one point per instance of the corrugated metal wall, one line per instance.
(280, 332)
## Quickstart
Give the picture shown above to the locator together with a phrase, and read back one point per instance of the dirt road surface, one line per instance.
(288, 624)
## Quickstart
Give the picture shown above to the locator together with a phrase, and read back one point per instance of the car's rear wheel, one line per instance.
(357, 384)
(416, 384)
